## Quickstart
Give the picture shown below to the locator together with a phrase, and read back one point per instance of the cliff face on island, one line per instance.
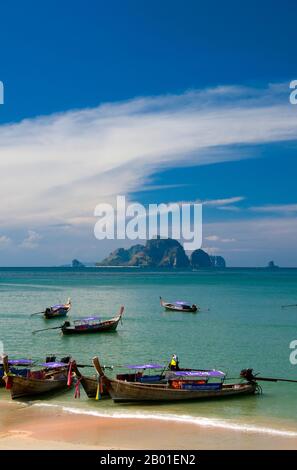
(161, 253)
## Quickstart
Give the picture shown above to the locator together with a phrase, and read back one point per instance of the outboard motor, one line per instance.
(248, 375)
(66, 359)
(50, 359)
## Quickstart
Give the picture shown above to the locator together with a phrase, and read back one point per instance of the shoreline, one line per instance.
(53, 427)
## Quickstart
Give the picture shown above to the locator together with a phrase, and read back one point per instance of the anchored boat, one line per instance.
(52, 377)
(180, 385)
(179, 306)
(88, 325)
(56, 311)
(19, 367)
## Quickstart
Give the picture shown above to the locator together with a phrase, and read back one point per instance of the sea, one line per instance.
(241, 325)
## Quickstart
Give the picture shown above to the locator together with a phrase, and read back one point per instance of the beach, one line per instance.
(26, 427)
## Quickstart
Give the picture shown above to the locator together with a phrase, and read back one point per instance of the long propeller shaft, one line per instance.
(45, 329)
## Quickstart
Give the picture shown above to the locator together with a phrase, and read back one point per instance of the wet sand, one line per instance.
(26, 427)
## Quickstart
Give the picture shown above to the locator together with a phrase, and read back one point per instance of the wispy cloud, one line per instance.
(223, 202)
(65, 164)
(4, 241)
(216, 238)
(275, 208)
(31, 241)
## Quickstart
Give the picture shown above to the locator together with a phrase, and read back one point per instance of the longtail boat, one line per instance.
(16, 366)
(179, 306)
(182, 385)
(55, 311)
(137, 373)
(53, 377)
(88, 325)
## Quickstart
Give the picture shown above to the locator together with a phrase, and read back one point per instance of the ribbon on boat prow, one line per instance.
(100, 373)
(7, 373)
(69, 375)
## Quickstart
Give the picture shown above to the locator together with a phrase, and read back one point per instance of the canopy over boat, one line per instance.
(88, 320)
(145, 366)
(181, 302)
(19, 362)
(200, 373)
(53, 365)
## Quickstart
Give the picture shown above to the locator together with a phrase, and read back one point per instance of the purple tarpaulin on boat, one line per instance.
(145, 366)
(19, 362)
(53, 365)
(200, 373)
(56, 307)
(180, 302)
(88, 319)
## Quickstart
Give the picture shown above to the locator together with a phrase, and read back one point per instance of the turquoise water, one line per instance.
(245, 327)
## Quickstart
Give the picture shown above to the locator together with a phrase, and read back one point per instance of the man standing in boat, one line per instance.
(174, 363)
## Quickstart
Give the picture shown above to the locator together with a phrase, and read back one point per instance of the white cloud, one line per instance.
(276, 208)
(31, 241)
(212, 250)
(216, 238)
(65, 164)
(223, 202)
(4, 241)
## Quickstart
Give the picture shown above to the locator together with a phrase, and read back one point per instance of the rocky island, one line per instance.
(161, 253)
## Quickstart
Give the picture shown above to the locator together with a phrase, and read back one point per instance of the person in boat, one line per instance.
(174, 363)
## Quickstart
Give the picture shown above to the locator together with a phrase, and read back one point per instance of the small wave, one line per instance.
(187, 419)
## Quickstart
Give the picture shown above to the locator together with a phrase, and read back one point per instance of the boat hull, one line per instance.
(60, 313)
(135, 392)
(21, 387)
(104, 327)
(90, 385)
(177, 309)
(21, 372)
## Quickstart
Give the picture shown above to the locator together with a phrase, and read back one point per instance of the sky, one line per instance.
(161, 101)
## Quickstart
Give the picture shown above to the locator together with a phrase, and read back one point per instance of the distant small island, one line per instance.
(77, 264)
(161, 253)
(272, 265)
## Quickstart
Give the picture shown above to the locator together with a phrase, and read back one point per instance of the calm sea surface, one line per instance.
(245, 327)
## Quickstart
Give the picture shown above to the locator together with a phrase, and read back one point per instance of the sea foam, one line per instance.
(186, 419)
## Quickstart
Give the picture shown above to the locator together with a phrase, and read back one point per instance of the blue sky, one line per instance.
(162, 101)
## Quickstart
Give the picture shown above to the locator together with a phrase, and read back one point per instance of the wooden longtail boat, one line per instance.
(88, 325)
(176, 389)
(92, 325)
(179, 306)
(55, 311)
(53, 377)
(18, 367)
(136, 374)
